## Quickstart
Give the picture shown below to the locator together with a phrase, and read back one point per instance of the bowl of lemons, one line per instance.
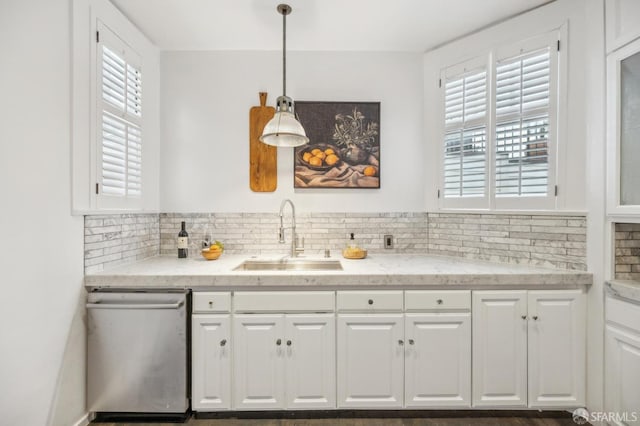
(214, 251)
(320, 156)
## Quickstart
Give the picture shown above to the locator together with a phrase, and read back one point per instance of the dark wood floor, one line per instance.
(467, 421)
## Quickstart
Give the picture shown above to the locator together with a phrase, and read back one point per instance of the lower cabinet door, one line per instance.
(438, 360)
(370, 360)
(310, 361)
(499, 348)
(622, 374)
(211, 363)
(258, 355)
(557, 348)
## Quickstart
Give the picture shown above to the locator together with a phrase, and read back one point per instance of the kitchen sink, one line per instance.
(289, 265)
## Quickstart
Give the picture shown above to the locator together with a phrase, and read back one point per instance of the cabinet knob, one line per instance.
(279, 342)
(210, 303)
(288, 342)
(411, 342)
(371, 301)
(439, 301)
(535, 317)
(401, 342)
(524, 317)
(223, 342)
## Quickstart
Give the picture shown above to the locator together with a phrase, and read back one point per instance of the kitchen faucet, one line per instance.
(294, 244)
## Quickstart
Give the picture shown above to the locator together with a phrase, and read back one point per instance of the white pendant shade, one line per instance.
(284, 130)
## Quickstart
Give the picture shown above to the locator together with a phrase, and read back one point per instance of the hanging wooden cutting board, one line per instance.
(263, 159)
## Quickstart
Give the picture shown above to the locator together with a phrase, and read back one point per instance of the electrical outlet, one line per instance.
(388, 241)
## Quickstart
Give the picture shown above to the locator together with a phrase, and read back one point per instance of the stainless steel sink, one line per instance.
(289, 265)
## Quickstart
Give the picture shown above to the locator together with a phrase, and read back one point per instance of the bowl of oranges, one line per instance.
(213, 251)
(319, 156)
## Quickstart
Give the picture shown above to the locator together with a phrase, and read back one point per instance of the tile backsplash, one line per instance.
(550, 241)
(257, 233)
(627, 254)
(111, 240)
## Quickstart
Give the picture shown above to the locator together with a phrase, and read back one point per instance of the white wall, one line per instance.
(572, 145)
(206, 97)
(41, 252)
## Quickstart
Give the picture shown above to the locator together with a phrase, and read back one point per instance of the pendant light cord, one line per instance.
(284, 54)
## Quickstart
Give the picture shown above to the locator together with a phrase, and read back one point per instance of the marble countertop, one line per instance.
(377, 270)
(629, 289)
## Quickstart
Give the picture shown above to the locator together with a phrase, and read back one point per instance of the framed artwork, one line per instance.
(344, 145)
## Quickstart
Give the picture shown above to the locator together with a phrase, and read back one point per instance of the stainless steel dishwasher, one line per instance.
(137, 354)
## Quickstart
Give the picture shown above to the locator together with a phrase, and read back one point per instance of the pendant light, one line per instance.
(283, 129)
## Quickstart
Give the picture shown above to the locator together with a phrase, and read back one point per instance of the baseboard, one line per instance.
(84, 420)
(367, 413)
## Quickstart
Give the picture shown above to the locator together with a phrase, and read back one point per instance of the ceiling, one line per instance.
(332, 25)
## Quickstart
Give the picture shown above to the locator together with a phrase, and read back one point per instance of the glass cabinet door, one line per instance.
(630, 130)
(623, 130)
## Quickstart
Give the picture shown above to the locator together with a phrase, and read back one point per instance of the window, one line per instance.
(500, 128)
(119, 121)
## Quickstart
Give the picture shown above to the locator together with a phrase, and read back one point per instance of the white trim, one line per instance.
(84, 420)
(614, 208)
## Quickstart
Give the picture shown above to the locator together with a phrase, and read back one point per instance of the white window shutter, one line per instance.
(120, 139)
(465, 137)
(522, 124)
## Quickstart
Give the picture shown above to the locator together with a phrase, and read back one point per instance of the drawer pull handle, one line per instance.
(524, 317)
(223, 342)
(288, 342)
(439, 301)
(411, 342)
(371, 301)
(535, 318)
(279, 342)
(401, 342)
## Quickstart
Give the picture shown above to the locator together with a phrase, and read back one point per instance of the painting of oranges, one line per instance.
(319, 156)
(344, 145)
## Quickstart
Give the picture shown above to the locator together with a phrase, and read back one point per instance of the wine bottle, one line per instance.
(183, 243)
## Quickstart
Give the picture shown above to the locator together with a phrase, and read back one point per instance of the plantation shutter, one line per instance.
(465, 137)
(120, 117)
(523, 105)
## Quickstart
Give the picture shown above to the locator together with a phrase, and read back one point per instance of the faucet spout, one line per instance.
(294, 248)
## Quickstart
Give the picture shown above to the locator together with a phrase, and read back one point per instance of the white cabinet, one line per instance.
(438, 360)
(370, 360)
(310, 361)
(622, 22)
(499, 348)
(622, 360)
(529, 341)
(556, 334)
(211, 351)
(284, 360)
(258, 361)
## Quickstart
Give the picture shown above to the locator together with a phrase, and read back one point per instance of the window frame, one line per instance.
(557, 126)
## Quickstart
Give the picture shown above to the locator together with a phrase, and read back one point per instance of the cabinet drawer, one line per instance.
(623, 312)
(283, 301)
(369, 301)
(437, 300)
(209, 301)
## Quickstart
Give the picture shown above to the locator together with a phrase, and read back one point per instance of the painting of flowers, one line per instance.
(344, 145)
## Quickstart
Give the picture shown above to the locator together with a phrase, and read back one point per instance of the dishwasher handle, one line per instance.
(117, 305)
